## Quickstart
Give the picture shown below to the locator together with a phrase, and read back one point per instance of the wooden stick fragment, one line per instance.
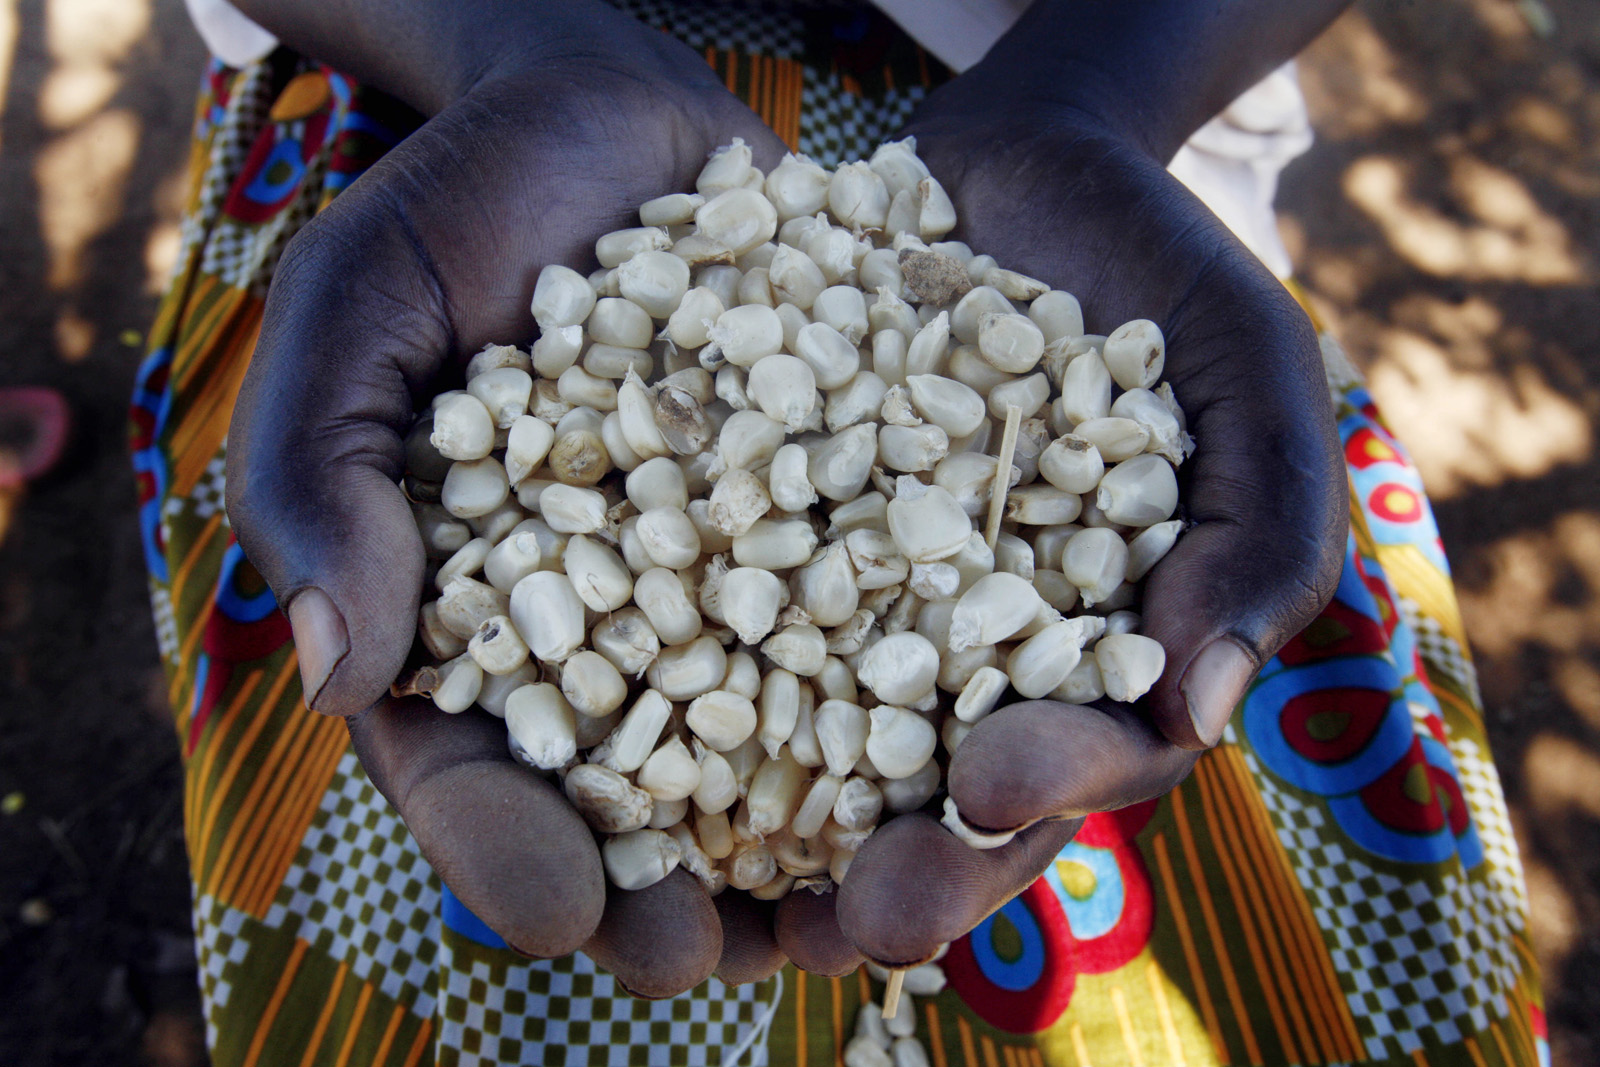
(891, 993)
(1002, 474)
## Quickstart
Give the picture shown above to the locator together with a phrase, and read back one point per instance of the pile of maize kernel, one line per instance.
(786, 498)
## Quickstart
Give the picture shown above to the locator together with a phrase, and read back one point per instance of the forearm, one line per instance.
(1153, 69)
(428, 52)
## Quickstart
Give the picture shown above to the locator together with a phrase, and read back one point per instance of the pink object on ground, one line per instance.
(34, 425)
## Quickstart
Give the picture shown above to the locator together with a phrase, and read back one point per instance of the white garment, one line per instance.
(1232, 162)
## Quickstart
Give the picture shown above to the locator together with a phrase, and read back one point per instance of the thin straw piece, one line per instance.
(1002, 474)
(891, 994)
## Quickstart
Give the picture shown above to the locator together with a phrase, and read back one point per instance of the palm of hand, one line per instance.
(1265, 492)
(428, 257)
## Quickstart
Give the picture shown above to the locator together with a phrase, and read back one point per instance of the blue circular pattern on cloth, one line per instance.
(1096, 915)
(1022, 972)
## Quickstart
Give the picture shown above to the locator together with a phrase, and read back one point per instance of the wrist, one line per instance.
(430, 53)
(1147, 74)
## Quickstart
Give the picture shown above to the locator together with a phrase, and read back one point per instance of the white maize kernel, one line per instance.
(900, 742)
(1139, 492)
(640, 858)
(1136, 353)
(542, 725)
(459, 682)
(1129, 664)
(608, 802)
(683, 672)
(721, 719)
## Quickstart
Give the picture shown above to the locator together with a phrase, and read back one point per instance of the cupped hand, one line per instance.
(1068, 201)
(430, 255)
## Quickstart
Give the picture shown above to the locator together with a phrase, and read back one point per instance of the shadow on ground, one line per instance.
(1448, 224)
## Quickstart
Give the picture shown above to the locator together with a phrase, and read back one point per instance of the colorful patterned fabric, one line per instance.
(1336, 884)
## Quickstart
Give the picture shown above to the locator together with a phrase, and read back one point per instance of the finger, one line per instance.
(914, 886)
(661, 940)
(1042, 759)
(351, 330)
(535, 878)
(750, 952)
(807, 927)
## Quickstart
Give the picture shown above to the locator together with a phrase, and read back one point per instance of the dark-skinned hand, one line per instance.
(425, 259)
(1062, 198)
(433, 254)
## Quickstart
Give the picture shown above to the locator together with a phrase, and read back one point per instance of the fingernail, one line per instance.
(1213, 684)
(320, 639)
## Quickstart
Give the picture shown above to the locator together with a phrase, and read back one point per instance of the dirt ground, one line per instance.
(1447, 225)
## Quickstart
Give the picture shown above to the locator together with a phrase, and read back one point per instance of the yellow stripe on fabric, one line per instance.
(301, 809)
(969, 1054)
(1520, 1023)
(188, 670)
(1349, 1045)
(1130, 1039)
(936, 1036)
(212, 398)
(353, 1028)
(381, 1057)
(1286, 980)
(1010, 1056)
(204, 303)
(241, 749)
(330, 1007)
(1079, 1047)
(1500, 1040)
(1420, 1059)
(180, 577)
(279, 993)
(1415, 577)
(1191, 958)
(793, 80)
(212, 303)
(1314, 967)
(1208, 911)
(1169, 1028)
(1472, 1050)
(259, 807)
(193, 821)
(420, 1042)
(989, 1057)
(1202, 776)
(800, 1017)
(265, 858)
(838, 1020)
(251, 680)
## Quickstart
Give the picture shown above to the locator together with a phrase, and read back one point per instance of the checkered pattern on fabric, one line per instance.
(245, 254)
(246, 112)
(764, 31)
(1439, 650)
(207, 497)
(359, 891)
(836, 124)
(1419, 960)
(166, 622)
(1481, 785)
(568, 1012)
(220, 946)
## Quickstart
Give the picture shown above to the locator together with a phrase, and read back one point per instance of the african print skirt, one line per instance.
(1336, 883)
